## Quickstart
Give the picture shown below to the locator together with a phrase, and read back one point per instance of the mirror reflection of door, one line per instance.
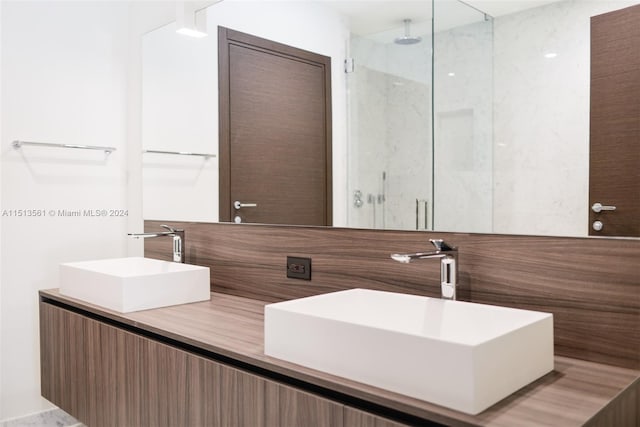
(275, 132)
(614, 169)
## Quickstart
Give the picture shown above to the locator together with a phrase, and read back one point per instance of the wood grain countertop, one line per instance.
(233, 327)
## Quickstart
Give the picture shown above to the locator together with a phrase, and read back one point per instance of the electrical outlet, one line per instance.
(299, 268)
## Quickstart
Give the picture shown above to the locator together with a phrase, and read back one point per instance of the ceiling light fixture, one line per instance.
(188, 22)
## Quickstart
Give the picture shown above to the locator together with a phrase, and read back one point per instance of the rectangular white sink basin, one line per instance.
(460, 355)
(135, 283)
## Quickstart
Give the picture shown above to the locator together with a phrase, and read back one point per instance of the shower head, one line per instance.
(407, 39)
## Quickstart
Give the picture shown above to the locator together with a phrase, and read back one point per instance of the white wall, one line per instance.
(180, 113)
(64, 80)
(144, 17)
(180, 101)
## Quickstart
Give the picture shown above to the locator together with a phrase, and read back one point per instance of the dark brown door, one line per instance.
(275, 132)
(614, 167)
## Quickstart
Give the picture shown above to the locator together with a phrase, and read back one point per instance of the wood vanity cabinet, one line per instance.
(107, 376)
(357, 418)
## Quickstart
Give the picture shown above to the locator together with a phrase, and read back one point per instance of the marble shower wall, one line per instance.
(463, 133)
(510, 123)
(367, 127)
(390, 140)
(391, 132)
(408, 142)
(541, 118)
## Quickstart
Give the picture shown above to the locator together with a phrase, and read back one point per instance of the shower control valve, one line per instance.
(357, 199)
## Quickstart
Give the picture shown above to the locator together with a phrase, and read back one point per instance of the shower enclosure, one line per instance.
(419, 96)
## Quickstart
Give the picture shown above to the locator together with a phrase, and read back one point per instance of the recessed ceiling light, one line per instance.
(550, 55)
(452, 74)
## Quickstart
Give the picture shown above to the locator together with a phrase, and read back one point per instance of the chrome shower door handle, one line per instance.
(238, 205)
(599, 207)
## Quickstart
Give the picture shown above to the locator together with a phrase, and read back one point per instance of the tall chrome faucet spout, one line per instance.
(178, 240)
(448, 256)
(407, 258)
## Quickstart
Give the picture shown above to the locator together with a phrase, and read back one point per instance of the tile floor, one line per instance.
(52, 418)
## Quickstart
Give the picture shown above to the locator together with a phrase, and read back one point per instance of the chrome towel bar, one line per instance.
(17, 144)
(179, 153)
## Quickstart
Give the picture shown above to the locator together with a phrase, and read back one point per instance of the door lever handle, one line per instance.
(598, 207)
(237, 205)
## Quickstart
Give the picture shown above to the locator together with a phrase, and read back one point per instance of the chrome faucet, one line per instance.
(178, 240)
(448, 265)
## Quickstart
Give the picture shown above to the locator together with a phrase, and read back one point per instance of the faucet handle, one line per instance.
(442, 246)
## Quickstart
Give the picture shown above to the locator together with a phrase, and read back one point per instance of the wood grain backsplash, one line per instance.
(591, 285)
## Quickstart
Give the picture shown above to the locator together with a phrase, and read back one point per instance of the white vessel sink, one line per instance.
(132, 284)
(460, 355)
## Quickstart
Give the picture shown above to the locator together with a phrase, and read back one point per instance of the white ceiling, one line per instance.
(504, 7)
(368, 17)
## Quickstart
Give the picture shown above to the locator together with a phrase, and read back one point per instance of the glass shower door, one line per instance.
(389, 89)
(420, 92)
(462, 118)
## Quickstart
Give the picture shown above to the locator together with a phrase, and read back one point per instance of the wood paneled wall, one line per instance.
(591, 285)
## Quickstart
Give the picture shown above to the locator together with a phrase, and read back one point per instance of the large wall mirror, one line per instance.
(446, 116)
